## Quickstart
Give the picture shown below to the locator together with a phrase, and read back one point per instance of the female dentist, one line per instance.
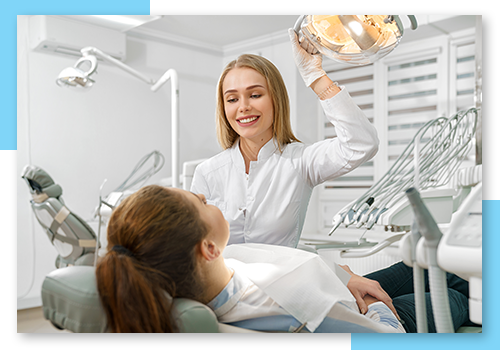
(264, 178)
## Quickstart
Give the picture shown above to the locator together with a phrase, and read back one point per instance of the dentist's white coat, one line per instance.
(269, 204)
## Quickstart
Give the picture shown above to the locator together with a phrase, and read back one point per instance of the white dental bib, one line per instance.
(299, 281)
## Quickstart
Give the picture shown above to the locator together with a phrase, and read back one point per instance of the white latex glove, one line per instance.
(307, 59)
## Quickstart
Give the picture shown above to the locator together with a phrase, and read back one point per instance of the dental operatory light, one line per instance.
(353, 39)
(76, 76)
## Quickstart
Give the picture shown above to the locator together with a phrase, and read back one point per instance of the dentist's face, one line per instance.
(248, 104)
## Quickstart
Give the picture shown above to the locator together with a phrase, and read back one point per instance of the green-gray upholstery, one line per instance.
(72, 237)
(70, 301)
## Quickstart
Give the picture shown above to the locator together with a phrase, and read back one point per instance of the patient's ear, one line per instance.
(209, 250)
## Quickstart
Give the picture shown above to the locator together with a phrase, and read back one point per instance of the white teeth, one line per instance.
(247, 120)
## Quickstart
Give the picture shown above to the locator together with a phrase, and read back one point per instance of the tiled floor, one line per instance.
(32, 321)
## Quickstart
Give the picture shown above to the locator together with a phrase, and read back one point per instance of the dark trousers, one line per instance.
(397, 281)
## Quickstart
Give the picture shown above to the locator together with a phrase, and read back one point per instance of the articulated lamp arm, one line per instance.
(171, 75)
(92, 51)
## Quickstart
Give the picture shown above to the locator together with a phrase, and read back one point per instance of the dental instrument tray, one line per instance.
(340, 245)
(431, 163)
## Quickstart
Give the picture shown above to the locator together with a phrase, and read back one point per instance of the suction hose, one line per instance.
(418, 282)
(437, 278)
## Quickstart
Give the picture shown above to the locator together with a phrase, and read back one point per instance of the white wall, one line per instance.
(82, 138)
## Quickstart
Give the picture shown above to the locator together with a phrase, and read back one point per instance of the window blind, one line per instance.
(419, 84)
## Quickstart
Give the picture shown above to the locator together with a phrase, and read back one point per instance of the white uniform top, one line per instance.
(268, 205)
(279, 288)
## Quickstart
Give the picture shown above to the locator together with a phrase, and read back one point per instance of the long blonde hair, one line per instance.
(282, 129)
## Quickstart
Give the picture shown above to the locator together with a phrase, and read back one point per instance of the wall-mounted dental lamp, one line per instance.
(353, 39)
(77, 77)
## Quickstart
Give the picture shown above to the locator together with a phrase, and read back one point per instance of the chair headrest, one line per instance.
(40, 182)
(71, 301)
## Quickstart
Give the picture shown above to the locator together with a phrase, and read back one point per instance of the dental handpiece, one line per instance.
(363, 207)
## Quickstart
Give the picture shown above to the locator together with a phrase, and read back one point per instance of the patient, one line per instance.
(167, 242)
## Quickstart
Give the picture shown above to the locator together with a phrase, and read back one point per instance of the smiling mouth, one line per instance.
(247, 120)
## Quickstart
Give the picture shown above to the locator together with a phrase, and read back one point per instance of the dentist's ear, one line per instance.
(209, 250)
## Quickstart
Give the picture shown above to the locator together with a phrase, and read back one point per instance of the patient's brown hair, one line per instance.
(159, 231)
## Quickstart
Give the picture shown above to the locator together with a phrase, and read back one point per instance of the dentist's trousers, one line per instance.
(397, 281)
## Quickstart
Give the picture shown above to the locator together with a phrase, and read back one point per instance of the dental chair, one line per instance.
(73, 238)
(71, 302)
(69, 293)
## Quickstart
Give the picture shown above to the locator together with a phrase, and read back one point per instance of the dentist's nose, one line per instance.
(244, 106)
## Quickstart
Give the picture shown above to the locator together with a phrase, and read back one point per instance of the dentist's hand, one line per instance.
(307, 59)
(367, 291)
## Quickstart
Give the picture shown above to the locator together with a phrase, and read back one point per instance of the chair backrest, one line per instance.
(73, 238)
(71, 301)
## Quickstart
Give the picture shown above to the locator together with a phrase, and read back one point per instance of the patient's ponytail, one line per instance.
(132, 303)
(152, 237)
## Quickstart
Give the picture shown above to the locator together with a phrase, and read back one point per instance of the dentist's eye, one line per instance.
(231, 100)
(255, 96)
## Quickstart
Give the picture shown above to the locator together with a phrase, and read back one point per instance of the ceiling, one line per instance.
(217, 32)
(221, 30)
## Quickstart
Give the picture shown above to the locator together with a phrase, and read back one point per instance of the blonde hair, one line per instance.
(282, 129)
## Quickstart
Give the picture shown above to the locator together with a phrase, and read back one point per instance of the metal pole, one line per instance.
(171, 75)
(478, 91)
